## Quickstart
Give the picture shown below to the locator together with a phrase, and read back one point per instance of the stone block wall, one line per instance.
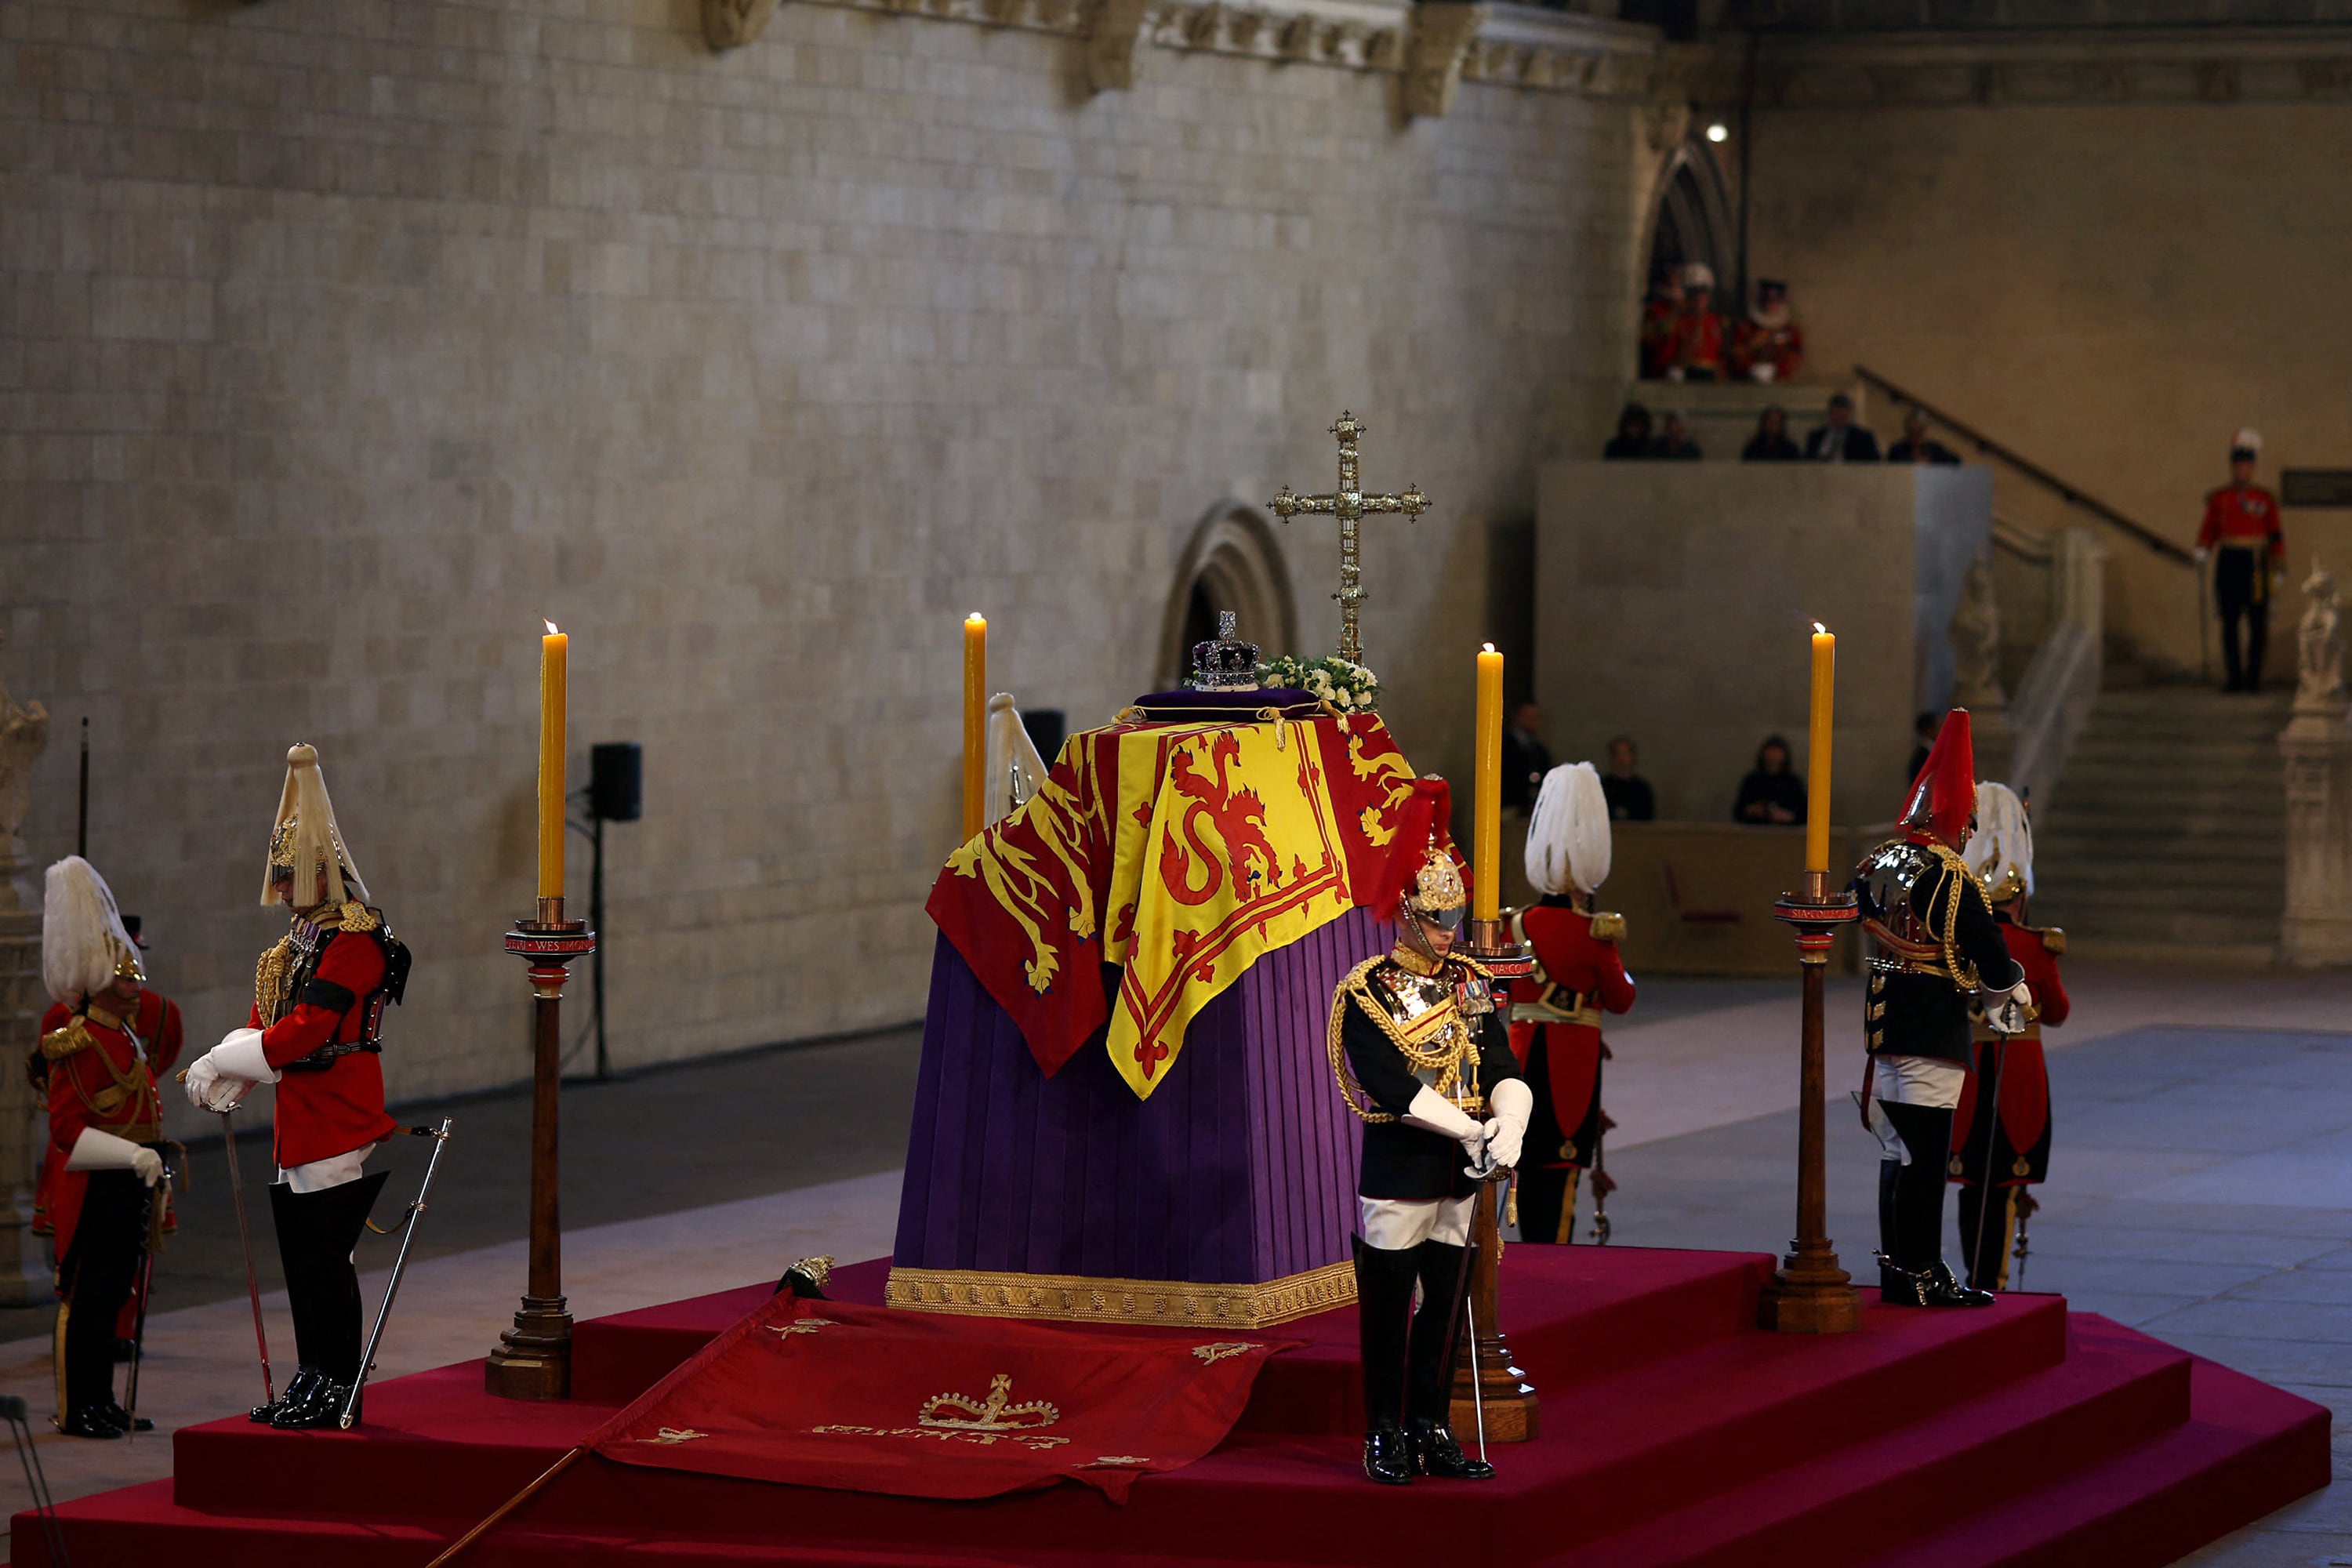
(341, 342)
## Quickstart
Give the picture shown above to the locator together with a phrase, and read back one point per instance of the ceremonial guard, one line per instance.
(1419, 1054)
(316, 1030)
(1695, 339)
(1579, 975)
(2001, 1132)
(104, 1197)
(2241, 522)
(1935, 950)
(1768, 345)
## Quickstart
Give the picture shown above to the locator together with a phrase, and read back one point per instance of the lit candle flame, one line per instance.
(550, 627)
(1485, 647)
(975, 615)
(1817, 626)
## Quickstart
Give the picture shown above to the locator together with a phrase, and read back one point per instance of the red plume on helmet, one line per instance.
(1423, 823)
(1944, 797)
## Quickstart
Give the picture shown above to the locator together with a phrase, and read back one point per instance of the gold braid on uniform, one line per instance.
(1947, 924)
(270, 981)
(1446, 1060)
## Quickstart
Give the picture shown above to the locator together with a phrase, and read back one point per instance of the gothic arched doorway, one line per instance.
(1231, 563)
(1691, 220)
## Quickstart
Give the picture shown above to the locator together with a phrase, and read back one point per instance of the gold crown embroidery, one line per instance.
(670, 1435)
(1212, 1354)
(804, 1326)
(1119, 1460)
(995, 1414)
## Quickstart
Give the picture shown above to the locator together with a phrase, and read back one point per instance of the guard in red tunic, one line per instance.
(2241, 522)
(1580, 975)
(1768, 345)
(316, 1030)
(103, 1198)
(1695, 337)
(2011, 1142)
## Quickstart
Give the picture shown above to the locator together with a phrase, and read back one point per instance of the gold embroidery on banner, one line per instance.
(674, 1435)
(802, 1326)
(1212, 1354)
(985, 1439)
(1072, 1297)
(1119, 1459)
(995, 1414)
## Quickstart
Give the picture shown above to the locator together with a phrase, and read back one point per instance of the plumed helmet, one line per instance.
(305, 842)
(1568, 834)
(84, 943)
(2246, 445)
(2001, 852)
(1944, 797)
(1697, 274)
(1419, 873)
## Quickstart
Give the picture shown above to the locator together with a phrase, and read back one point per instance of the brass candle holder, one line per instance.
(1811, 1293)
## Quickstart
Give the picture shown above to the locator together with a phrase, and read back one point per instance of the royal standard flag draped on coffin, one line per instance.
(1179, 852)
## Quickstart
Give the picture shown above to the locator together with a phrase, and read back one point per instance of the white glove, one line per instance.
(239, 1054)
(2012, 1011)
(1433, 1112)
(1513, 1103)
(208, 1091)
(1674, 373)
(2202, 554)
(96, 1151)
(1764, 373)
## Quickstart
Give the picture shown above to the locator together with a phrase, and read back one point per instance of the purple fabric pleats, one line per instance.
(1239, 1169)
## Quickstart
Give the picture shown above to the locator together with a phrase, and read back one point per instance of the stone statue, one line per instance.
(2319, 643)
(1976, 641)
(24, 731)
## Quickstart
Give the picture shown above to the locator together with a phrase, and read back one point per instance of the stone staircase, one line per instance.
(2166, 838)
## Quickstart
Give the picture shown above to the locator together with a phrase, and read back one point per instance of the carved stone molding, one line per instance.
(1442, 33)
(1921, 70)
(1110, 46)
(732, 24)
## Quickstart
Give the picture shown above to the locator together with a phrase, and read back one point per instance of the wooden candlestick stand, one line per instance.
(533, 1359)
(1509, 1400)
(1811, 1294)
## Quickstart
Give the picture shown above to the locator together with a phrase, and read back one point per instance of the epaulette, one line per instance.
(60, 1044)
(1608, 926)
(2053, 940)
(359, 917)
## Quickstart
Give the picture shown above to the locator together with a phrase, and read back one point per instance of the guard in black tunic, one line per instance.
(1935, 948)
(1421, 1054)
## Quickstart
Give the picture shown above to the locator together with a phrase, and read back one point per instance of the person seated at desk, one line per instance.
(1770, 444)
(1770, 793)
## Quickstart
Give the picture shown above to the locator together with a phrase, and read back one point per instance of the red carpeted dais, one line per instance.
(1673, 1432)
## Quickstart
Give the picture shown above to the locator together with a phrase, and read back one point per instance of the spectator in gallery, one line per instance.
(1675, 445)
(1768, 345)
(1923, 738)
(1841, 440)
(1915, 448)
(1694, 348)
(1632, 438)
(1525, 759)
(1770, 444)
(1628, 793)
(1770, 793)
(1658, 314)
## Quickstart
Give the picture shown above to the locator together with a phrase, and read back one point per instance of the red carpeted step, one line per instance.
(2246, 1449)
(2110, 1392)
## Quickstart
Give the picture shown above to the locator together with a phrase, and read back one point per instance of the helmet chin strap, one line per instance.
(1416, 935)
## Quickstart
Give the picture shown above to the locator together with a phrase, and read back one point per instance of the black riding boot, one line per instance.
(1923, 1278)
(1383, 1308)
(325, 1227)
(1436, 1347)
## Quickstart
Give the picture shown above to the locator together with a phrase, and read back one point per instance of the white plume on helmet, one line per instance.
(82, 934)
(2001, 853)
(2248, 439)
(1568, 835)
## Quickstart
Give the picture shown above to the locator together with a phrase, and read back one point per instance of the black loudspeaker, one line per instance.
(1047, 728)
(616, 781)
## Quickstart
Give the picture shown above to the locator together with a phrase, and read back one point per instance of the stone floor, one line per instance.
(2201, 1191)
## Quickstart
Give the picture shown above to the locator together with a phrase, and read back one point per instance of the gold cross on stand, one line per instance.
(1349, 503)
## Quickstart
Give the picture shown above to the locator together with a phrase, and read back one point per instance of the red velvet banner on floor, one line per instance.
(825, 1393)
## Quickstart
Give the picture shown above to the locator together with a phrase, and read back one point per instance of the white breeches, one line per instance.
(1393, 1224)
(320, 1174)
(1928, 1081)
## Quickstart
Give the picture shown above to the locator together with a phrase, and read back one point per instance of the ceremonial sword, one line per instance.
(245, 1243)
(150, 1224)
(440, 1136)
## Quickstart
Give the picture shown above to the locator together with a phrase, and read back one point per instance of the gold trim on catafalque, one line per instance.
(1076, 1297)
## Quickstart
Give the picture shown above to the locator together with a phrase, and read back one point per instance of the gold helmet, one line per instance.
(305, 842)
(85, 946)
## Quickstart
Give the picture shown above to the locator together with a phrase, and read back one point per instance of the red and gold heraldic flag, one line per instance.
(825, 1393)
(1177, 851)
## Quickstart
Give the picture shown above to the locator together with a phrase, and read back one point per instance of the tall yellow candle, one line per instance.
(975, 723)
(1817, 761)
(554, 658)
(1486, 839)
